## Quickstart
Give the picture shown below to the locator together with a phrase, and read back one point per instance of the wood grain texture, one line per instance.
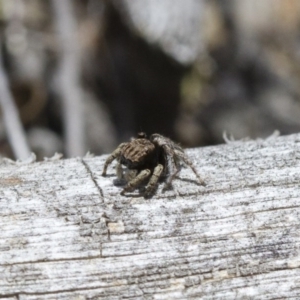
(66, 233)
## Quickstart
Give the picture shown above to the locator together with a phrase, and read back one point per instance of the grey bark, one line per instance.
(66, 233)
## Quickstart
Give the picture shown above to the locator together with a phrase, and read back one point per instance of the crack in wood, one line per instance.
(93, 178)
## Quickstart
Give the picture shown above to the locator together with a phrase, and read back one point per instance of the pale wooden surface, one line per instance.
(66, 233)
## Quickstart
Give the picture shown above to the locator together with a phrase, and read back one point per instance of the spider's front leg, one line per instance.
(135, 182)
(186, 160)
(112, 157)
(173, 167)
(152, 184)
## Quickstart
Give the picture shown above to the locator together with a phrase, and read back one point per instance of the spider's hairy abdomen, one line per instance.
(138, 152)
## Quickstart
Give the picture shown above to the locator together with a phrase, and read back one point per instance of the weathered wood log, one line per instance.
(66, 233)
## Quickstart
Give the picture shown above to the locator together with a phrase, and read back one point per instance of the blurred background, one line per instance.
(85, 75)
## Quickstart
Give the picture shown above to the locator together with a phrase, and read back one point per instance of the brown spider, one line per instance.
(148, 157)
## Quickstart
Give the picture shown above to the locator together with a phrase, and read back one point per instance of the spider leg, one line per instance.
(120, 180)
(124, 176)
(134, 183)
(119, 171)
(170, 179)
(170, 157)
(112, 157)
(152, 184)
(130, 174)
(186, 160)
(173, 167)
(173, 154)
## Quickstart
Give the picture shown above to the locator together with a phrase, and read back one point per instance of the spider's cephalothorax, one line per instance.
(149, 158)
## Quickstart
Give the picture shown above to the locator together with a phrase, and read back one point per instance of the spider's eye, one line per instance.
(141, 135)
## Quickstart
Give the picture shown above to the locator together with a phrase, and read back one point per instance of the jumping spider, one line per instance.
(151, 158)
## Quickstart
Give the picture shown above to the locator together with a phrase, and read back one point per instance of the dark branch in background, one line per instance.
(69, 78)
(14, 129)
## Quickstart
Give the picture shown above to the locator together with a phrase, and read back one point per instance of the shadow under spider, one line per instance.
(141, 190)
(188, 180)
(110, 175)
